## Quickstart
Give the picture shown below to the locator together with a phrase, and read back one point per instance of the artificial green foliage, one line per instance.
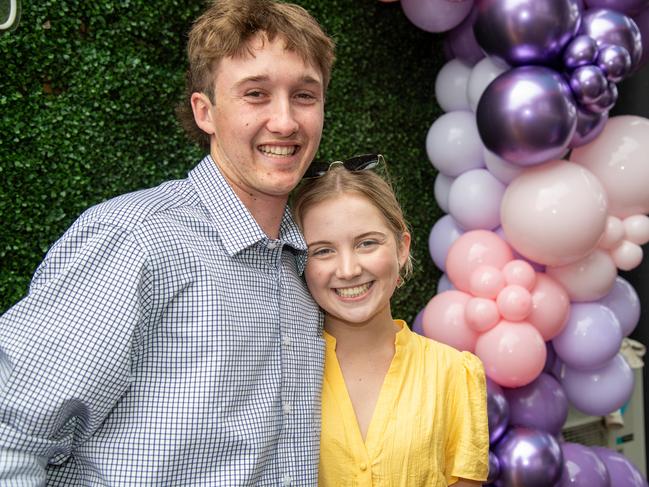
(87, 91)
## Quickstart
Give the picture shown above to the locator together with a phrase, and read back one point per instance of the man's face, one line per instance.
(267, 119)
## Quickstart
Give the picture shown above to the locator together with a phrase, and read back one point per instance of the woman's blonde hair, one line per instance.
(367, 184)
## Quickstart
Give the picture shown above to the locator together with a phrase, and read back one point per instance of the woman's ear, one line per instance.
(201, 106)
(404, 249)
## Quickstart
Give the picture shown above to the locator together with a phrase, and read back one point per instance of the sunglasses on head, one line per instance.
(357, 163)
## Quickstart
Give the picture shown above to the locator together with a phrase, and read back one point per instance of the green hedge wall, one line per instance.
(87, 91)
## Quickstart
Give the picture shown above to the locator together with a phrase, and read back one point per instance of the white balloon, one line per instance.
(636, 229)
(483, 73)
(474, 200)
(502, 169)
(453, 144)
(451, 86)
(587, 279)
(441, 189)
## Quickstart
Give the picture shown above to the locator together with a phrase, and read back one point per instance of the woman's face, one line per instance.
(354, 259)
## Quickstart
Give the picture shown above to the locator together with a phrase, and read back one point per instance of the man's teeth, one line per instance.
(278, 150)
(352, 292)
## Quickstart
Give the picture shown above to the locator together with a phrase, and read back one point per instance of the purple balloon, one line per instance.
(497, 411)
(524, 32)
(418, 322)
(541, 404)
(592, 336)
(581, 50)
(606, 101)
(436, 15)
(628, 7)
(444, 284)
(527, 115)
(620, 469)
(474, 200)
(462, 42)
(582, 467)
(588, 84)
(550, 358)
(624, 302)
(615, 62)
(528, 458)
(642, 21)
(609, 27)
(599, 392)
(445, 231)
(494, 468)
(589, 126)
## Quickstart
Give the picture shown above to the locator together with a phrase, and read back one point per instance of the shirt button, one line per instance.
(287, 480)
(287, 408)
(271, 245)
(286, 341)
(363, 467)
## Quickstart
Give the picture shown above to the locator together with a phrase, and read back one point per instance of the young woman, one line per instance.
(398, 409)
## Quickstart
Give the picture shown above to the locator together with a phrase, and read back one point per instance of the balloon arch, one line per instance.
(546, 198)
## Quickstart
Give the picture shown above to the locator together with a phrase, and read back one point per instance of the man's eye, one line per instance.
(306, 97)
(254, 94)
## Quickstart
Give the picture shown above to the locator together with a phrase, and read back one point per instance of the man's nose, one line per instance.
(282, 119)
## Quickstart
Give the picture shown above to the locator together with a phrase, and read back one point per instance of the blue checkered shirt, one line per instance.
(166, 341)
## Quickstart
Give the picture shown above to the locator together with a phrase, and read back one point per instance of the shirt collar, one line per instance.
(236, 226)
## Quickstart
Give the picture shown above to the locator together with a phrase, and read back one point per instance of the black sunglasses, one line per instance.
(363, 162)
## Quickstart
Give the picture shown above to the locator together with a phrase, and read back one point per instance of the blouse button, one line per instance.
(363, 467)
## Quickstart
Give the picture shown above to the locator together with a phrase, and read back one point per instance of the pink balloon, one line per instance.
(588, 279)
(618, 158)
(521, 273)
(471, 250)
(482, 314)
(513, 354)
(514, 303)
(554, 213)
(613, 234)
(486, 281)
(550, 307)
(627, 255)
(636, 229)
(444, 320)
(436, 15)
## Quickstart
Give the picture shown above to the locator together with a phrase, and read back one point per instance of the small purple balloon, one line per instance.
(462, 42)
(444, 284)
(624, 302)
(445, 231)
(589, 126)
(592, 336)
(522, 32)
(417, 323)
(615, 62)
(494, 468)
(581, 50)
(628, 7)
(608, 27)
(436, 15)
(588, 84)
(542, 404)
(606, 101)
(621, 471)
(599, 392)
(528, 458)
(497, 411)
(527, 115)
(582, 467)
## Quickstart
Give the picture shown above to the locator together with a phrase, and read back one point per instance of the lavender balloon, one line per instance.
(525, 32)
(462, 41)
(445, 231)
(527, 115)
(582, 468)
(528, 458)
(417, 323)
(581, 50)
(588, 84)
(621, 471)
(624, 302)
(589, 126)
(436, 15)
(629, 7)
(497, 411)
(608, 27)
(615, 62)
(542, 405)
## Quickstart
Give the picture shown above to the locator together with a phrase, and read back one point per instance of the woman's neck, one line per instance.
(362, 337)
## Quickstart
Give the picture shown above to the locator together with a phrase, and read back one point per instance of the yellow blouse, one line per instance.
(429, 426)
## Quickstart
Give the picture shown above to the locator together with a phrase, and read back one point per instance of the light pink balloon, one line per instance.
(514, 303)
(618, 158)
(471, 250)
(482, 314)
(554, 213)
(627, 255)
(588, 279)
(550, 307)
(520, 272)
(443, 320)
(436, 15)
(486, 281)
(513, 354)
(636, 229)
(613, 234)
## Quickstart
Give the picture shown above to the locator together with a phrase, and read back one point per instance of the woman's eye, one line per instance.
(320, 252)
(368, 243)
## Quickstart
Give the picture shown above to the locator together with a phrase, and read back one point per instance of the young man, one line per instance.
(167, 338)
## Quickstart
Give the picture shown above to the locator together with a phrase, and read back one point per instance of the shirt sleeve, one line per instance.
(468, 434)
(67, 348)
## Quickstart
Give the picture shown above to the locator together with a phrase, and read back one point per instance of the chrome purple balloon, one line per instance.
(620, 468)
(628, 7)
(542, 404)
(527, 115)
(589, 126)
(581, 50)
(606, 101)
(525, 32)
(497, 411)
(494, 468)
(582, 467)
(642, 21)
(528, 458)
(615, 62)
(588, 84)
(609, 27)
(462, 41)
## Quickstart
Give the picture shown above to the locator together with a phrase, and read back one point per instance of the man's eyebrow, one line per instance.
(260, 78)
